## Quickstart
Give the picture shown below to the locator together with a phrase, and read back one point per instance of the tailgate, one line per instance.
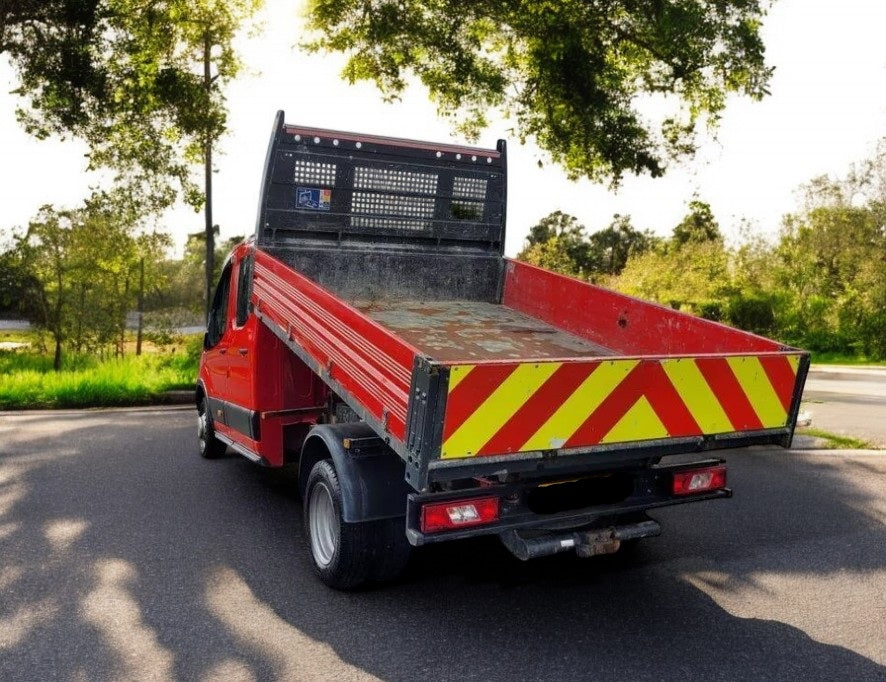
(500, 408)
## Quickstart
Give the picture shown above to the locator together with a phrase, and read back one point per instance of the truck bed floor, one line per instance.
(450, 331)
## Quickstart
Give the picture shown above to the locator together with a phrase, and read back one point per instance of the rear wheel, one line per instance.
(348, 555)
(210, 446)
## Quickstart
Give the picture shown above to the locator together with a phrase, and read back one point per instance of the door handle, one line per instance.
(243, 351)
(222, 351)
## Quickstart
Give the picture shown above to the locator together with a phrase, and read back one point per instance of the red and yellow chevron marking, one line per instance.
(518, 407)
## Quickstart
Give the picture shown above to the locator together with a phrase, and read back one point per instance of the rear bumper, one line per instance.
(585, 543)
(650, 488)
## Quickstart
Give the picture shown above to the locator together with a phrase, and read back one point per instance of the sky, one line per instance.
(826, 111)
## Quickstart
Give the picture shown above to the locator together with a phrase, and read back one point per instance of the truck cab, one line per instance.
(251, 389)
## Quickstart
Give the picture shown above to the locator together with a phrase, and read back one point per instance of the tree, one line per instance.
(45, 249)
(82, 288)
(573, 74)
(17, 285)
(613, 246)
(182, 277)
(141, 83)
(558, 242)
(552, 254)
(756, 296)
(699, 225)
(832, 261)
(694, 277)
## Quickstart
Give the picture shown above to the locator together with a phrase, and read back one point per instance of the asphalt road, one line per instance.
(123, 555)
(850, 401)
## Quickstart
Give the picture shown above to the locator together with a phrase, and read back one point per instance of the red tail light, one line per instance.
(458, 514)
(699, 480)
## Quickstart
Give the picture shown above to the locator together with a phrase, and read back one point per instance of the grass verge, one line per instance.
(842, 359)
(835, 441)
(27, 380)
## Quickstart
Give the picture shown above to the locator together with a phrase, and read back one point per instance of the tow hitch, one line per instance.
(585, 543)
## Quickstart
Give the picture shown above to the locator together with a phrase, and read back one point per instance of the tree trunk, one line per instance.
(207, 157)
(78, 333)
(59, 307)
(141, 305)
(121, 341)
(57, 361)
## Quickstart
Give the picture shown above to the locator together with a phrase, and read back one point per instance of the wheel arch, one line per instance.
(373, 484)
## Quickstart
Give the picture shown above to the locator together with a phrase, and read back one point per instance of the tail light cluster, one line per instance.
(457, 514)
(694, 481)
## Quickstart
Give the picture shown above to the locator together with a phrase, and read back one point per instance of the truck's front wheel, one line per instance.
(210, 446)
(347, 555)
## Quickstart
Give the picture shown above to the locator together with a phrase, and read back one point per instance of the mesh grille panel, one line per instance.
(392, 205)
(467, 210)
(470, 188)
(388, 223)
(315, 172)
(385, 180)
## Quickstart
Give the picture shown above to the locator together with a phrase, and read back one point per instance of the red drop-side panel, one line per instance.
(624, 324)
(371, 365)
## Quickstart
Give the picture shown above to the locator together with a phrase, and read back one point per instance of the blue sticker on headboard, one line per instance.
(313, 198)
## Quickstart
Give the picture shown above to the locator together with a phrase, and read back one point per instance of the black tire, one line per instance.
(210, 446)
(346, 556)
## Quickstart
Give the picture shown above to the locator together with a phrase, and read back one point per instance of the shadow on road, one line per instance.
(124, 555)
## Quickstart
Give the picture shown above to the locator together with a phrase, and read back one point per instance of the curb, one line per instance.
(62, 411)
(169, 400)
(178, 398)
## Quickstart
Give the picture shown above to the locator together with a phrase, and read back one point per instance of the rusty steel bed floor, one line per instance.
(450, 331)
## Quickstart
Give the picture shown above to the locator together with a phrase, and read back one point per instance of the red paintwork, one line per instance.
(626, 325)
(367, 360)
(267, 377)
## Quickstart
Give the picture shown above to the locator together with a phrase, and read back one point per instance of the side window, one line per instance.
(244, 290)
(218, 313)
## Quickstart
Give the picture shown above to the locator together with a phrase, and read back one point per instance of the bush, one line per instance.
(752, 312)
(711, 310)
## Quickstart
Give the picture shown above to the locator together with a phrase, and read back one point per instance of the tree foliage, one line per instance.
(80, 289)
(821, 286)
(559, 242)
(699, 225)
(183, 277)
(612, 246)
(832, 263)
(693, 277)
(572, 74)
(128, 78)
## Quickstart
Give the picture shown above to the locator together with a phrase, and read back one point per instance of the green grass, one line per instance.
(843, 359)
(19, 336)
(28, 381)
(836, 441)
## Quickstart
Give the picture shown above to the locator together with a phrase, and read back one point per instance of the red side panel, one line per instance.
(626, 325)
(366, 361)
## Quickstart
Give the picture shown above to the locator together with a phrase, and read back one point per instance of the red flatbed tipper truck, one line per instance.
(427, 388)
